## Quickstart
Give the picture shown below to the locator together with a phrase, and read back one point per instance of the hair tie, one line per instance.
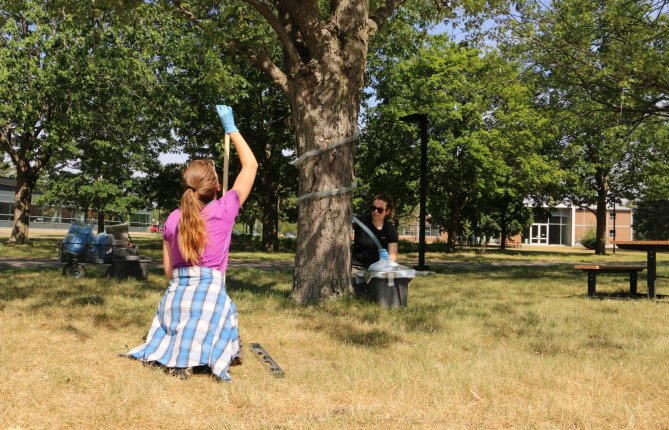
(188, 187)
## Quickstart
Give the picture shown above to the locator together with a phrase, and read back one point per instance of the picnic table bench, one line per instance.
(594, 269)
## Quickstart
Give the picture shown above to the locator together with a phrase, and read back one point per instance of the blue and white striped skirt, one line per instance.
(195, 324)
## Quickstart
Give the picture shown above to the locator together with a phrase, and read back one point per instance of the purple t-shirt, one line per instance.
(219, 216)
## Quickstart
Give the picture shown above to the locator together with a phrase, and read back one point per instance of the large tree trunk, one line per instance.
(504, 230)
(600, 247)
(25, 182)
(270, 221)
(101, 221)
(454, 216)
(602, 195)
(324, 93)
(322, 260)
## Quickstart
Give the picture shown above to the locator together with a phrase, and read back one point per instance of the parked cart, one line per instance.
(114, 248)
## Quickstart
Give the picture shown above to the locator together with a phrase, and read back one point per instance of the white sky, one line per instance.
(172, 158)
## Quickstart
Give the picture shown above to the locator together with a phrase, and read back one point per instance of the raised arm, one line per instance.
(244, 181)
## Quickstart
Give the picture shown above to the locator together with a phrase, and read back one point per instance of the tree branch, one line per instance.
(307, 18)
(264, 63)
(5, 144)
(381, 14)
(187, 13)
(287, 43)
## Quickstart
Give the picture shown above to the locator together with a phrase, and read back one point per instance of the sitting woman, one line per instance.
(196, 322)
(365, 252)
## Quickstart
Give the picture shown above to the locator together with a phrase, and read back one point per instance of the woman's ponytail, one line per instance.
(200, 182)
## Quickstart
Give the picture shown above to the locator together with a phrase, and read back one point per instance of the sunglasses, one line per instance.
(378, 210)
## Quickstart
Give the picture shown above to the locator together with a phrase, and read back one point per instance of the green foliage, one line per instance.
(162, 186)
(266, 122)
(651, 219)
(601, 73)
(488, 228)
(39, 84)
(119, 124)
(485, 137)
(589, 239)
(38, 70)
(649, 164)
(613, 52)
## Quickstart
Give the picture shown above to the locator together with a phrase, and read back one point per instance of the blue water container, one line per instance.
(76, 238)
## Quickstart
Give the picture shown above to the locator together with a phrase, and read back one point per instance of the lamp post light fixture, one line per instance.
(421, 119)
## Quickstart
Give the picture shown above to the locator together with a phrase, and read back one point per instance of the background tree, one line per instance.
(484, 154)
(162, 187)
(199, 79)
(651, 219)
(7, 169)
(603, 76)
(38, 71)
(387, 152)
(118, 122)
(268, 129)
(648, 166)
(611, 52)
(320, 70)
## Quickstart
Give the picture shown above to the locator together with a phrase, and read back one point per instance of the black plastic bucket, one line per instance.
(387, 292)
(131, 266)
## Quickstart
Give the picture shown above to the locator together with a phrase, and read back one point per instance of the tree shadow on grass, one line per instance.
(626, 295)
(519, 272)
(532, 253)
(352, 334)
(257, 282)
(49, 288)
(264, 289)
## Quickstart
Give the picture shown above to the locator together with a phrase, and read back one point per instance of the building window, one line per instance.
(140, 220)
(612, 234)
(6, 211)
(612, 216)
(412, 230)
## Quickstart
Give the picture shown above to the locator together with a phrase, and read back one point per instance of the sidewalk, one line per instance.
(28, 263)
(281, 265)
(45, 263)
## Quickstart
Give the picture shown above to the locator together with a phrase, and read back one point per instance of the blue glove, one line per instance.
(225, 114)
(383, 255)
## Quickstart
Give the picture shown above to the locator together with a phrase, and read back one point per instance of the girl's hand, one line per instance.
(225, 115)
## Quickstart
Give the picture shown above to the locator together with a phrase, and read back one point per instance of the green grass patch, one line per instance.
(487, 342)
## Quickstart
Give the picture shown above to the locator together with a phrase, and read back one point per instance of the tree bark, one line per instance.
(101, 221)
(324, 85)
(323, 117)
(602, 196)
(25, 183)
(270, 221)
(504, 228)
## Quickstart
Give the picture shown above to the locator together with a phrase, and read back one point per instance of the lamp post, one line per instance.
(421, 119)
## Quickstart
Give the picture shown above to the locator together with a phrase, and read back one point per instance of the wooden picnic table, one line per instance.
(652, 247)
(594, 269)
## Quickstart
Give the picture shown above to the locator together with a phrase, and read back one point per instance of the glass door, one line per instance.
(539, 234)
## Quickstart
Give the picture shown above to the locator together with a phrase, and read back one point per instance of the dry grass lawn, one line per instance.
(480, 346)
